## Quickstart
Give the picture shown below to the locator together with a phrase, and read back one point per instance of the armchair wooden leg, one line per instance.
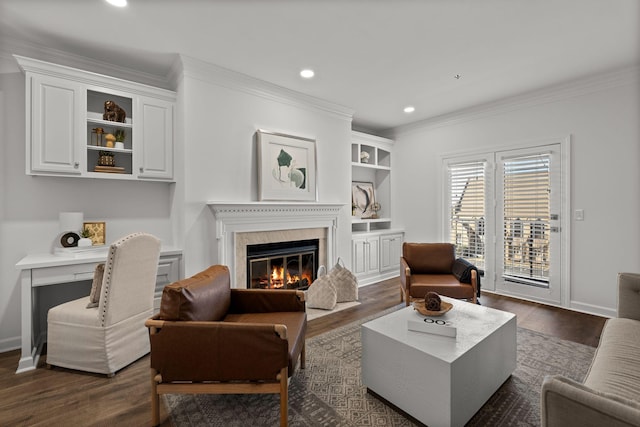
(155, 399)
(303, 355)
(401, 294)
(284, 397)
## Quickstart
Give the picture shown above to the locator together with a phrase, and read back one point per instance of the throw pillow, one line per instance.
(322, 292)
(96, 286)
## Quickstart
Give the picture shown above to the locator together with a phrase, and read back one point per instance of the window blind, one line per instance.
(526, 191)
(466, 182)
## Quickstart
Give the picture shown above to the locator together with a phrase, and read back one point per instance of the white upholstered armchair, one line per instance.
(105, 332)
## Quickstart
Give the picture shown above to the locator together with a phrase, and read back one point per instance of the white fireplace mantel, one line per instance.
(247, 217)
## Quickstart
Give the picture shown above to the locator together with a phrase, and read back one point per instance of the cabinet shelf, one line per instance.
(370, 166)
(108, 123)
(115, 150)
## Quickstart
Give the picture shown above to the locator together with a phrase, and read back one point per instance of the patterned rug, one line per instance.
(329, 391)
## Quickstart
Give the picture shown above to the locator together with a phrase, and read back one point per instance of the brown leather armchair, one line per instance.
(426, 267)
(209, 338)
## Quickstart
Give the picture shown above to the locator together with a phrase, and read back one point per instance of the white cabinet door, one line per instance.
(365, 255)
(390, 251)
(373, 254)
(154, 142)
(55, 124)
(359, 256)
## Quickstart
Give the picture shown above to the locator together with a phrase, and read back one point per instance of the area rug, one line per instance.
(314, 313)
(329, 391)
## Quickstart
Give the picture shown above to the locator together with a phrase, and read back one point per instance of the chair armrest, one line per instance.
(405, 274)
(629, 295)
(217, 351)
(266, 300)
(566, 403)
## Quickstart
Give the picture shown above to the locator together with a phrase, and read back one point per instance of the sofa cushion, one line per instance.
(442, 284)
(615, 366)
(206, 296)
(429, 258)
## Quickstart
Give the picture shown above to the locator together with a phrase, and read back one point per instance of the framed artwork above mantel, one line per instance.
(286, 167)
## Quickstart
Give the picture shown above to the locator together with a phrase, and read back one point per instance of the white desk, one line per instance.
(439, 380)
(48, 269)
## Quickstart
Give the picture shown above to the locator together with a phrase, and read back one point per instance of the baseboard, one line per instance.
(378, 278)
(10, 344)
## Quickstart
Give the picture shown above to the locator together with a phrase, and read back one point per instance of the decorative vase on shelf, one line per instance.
(85, 242)
(364, 157)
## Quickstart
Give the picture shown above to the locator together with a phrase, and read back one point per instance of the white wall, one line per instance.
(219, 120)
(603, 122)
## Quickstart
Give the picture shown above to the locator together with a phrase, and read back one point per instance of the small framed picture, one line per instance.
(363, 199)
(286, 167)
(96, 231)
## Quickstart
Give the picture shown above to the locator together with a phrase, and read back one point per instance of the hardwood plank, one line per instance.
(46, 397)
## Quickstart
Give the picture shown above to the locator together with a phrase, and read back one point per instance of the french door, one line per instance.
(503, 212)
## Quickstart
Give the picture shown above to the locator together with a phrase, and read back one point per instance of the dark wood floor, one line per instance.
(52, 397)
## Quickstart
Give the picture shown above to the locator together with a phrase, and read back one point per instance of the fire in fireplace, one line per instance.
(283, 265)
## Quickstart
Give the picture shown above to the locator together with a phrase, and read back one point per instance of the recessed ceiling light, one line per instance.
(118, 3)
(307, 73)
(409, 109)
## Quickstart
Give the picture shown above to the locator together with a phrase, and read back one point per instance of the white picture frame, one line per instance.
(286, 167)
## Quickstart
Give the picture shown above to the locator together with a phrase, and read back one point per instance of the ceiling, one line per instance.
(375, 57)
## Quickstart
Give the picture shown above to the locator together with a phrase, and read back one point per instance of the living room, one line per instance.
(218, 112)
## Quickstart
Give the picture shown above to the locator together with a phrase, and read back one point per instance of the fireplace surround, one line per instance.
(238, 225)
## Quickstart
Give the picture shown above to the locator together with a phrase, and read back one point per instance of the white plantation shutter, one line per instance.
(466, 184)
(526, 189)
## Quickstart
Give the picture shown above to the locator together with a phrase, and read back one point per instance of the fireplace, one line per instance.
(282, 265)
(239, 225)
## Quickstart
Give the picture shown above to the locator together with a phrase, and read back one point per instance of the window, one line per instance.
(466, 182)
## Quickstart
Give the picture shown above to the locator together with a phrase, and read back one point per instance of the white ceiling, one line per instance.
(375, 57)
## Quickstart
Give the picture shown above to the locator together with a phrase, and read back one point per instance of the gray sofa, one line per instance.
(610, 393)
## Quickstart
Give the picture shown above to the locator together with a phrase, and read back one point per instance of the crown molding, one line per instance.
(11, 46)
(583, 86)
(211, 73)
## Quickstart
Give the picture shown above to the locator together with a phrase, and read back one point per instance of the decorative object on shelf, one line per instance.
(110, 140)
(113, 112)
(96, 230)
(120, 137)
(106, 158)
(69, 240)
(286, 167)
(364, 157)
(85, 238)
(69, 225)
(375, 207)
(363, 198)
(353, 209)
(97, 136)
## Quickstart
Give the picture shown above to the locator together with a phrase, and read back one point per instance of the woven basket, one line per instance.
(345, 282)
(322, 293)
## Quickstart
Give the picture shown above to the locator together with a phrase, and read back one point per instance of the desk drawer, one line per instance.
(62, 274)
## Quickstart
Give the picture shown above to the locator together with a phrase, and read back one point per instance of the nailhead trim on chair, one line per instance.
(107, 282)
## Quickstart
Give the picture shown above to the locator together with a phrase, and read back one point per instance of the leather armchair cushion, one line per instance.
(443, 284)
(429, 258)
(205, 296)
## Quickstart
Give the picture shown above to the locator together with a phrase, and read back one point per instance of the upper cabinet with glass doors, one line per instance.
(88, 125)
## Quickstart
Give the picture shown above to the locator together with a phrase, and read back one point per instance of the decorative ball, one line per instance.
(432, 301)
